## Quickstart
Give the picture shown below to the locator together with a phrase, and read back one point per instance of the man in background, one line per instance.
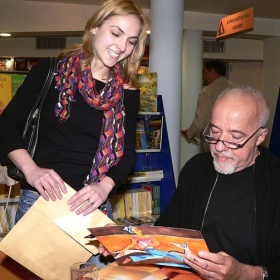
(214, 76)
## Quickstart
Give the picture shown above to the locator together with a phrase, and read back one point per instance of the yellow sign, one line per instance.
(5, 89)
(236, 23)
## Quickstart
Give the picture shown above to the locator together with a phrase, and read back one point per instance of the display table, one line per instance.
(11, 270)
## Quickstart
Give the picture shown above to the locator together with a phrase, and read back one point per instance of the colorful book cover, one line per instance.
(142, 245)
(141, 133)
(147, 83)
(17, 81)
(155, 131)
(5, 89)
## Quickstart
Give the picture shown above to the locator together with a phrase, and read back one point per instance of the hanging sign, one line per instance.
(236, 23)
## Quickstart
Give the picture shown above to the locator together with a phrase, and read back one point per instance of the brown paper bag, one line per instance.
(50, 238)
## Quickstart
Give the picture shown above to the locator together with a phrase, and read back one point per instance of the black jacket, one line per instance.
(196, 179)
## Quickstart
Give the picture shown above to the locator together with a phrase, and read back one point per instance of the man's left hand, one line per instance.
(221, 266)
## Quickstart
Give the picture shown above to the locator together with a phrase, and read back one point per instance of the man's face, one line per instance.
(208, 77)
(234, 120)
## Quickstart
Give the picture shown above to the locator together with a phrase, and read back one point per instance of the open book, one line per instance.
(131, 245)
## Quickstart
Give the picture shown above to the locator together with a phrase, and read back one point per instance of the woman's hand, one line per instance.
(90, 197)
(46, 181)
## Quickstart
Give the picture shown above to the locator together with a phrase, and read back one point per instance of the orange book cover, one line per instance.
(142, 245)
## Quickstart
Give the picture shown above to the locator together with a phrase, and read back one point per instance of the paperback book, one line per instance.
(147, 83)
(17, 81)
(149, 132)
(142, 245)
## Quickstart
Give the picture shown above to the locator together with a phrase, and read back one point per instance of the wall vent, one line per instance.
(50, 43)
(214, 46)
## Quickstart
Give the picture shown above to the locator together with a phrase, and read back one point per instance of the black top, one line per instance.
(232, 229)
(69, 147)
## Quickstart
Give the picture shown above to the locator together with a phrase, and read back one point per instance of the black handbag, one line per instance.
(31, 126)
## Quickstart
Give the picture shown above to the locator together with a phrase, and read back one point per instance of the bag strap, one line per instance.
(35, 112)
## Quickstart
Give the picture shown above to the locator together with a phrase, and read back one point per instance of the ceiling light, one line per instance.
(5, 34)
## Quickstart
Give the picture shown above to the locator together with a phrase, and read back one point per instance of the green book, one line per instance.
(17, 80)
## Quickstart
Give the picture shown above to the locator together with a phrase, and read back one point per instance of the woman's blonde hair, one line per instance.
(109, 9)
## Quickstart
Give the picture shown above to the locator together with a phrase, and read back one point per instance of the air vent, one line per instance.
(50, 43)
(213, 46)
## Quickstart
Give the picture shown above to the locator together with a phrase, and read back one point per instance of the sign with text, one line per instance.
(236, 23)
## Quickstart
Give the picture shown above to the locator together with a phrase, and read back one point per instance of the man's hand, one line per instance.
(185, 134)
(221, 266)
(102, 249)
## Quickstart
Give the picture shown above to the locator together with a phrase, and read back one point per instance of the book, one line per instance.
(142, 245)
(5, 89)
(155, 193)
(147, 83)
(141, 133)
(155, 131)
(149, 132)
(133, 202)
(17, 81)
(142, 176)
(118, 205)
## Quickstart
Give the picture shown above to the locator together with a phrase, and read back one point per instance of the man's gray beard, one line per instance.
(224, 168)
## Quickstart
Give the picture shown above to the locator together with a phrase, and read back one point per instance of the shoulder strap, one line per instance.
(31, 128)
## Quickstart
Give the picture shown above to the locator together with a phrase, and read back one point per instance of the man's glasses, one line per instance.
(228, 144)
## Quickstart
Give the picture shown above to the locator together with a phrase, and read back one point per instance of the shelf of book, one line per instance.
(148, 160)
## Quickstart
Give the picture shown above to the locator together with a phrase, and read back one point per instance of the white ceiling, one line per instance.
(263, 8)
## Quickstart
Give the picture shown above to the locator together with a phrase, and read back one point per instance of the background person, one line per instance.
(88, 121)
(232, 195)
(214, 76)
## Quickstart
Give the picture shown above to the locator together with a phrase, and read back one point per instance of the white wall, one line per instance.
(247, 73)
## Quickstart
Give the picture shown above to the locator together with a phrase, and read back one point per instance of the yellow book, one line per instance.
(5, 89)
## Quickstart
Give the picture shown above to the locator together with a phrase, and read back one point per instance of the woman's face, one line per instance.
(115, 39)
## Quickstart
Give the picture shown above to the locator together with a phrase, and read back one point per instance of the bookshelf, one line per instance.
(150, 159)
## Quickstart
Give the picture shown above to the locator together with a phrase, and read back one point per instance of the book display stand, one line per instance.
(154, 159)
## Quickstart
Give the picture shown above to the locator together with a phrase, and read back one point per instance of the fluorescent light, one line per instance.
(5, 34)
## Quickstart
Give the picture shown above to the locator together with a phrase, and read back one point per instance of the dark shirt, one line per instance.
(230, 218)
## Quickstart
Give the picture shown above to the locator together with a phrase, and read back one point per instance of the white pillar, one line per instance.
(191, 87)
(166, 38)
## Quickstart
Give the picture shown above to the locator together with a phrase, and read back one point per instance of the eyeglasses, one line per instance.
(228, 144)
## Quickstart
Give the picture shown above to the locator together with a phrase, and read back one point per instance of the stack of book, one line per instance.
(145, 176)
(135, 206)
(155, 192)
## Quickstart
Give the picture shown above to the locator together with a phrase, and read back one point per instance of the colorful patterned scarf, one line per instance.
(110, 100)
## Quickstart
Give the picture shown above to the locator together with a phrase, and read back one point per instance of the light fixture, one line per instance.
(5, 34)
